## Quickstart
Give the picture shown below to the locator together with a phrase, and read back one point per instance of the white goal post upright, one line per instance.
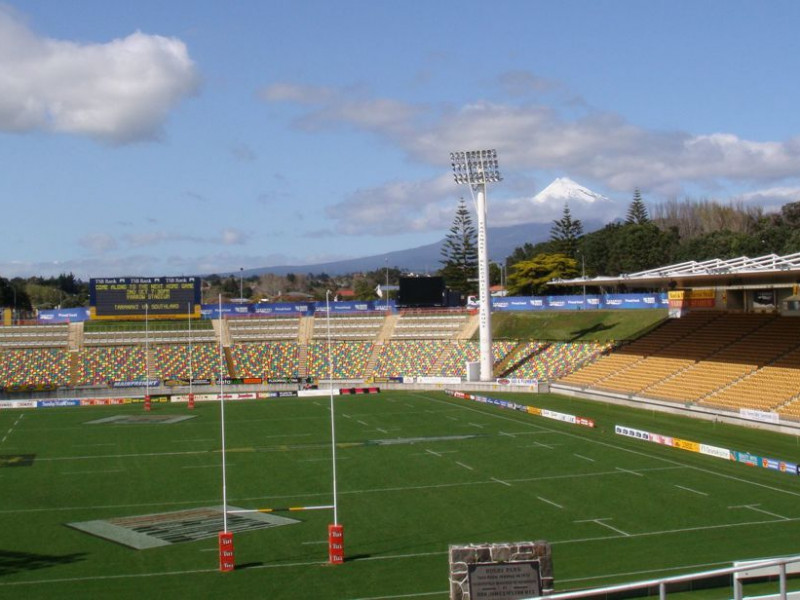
(476, 168)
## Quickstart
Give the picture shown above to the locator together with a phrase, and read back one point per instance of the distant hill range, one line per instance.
(502, 241)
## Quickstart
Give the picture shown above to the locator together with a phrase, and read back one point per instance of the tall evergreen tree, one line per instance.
(460, 253)
(637, 211)
(565, 233)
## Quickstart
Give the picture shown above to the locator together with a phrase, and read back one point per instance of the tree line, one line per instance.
(673, 232)
(691, 230)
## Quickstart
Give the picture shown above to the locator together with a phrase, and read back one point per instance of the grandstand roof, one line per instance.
(770, 268)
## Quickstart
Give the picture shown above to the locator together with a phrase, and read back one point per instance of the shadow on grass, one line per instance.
(597, 328)
(18, 562)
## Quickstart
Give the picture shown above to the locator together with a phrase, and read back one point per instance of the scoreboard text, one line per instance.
(136, 297)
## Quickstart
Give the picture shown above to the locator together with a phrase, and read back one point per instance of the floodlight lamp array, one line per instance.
(475, 167)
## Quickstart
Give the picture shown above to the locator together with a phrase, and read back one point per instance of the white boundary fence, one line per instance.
(775, 567)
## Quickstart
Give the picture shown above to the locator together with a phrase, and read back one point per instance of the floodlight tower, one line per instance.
(476, 168)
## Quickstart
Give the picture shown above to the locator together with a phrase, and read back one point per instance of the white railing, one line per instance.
(741, 572)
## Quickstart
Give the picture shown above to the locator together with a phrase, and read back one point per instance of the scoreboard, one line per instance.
(134, 297)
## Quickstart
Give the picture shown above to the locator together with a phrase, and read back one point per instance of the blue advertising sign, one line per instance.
(63, 315)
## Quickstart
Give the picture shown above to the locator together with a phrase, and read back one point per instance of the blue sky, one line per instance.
(165, 138)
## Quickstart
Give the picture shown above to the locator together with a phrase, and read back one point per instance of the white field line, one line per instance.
(425, 555)
(460, 464)
(429, 451)
(326, 493)
(584, 457)
(501, 481)
(755, 507)
(382, 430)
(614, 446)
(10, 429)
(604, 524)
(539, 445)
(688, 489)
(93, 472)
(629, 471)
(364, 423)
(550, 502)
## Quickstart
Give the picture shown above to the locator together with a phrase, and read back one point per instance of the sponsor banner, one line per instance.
(517, 381)
(285, 394)
(63, 315)
(360, 390)
(631, 432)
(283, 380)
(36, 387)
(557, 416)
(438, 380)
(175, 382)
(56, 403)
(664, 440)
(685, 445)
(715, 451)
(17, 404)
(242, 380)
(580, 302)
(283, 308)
(312, 393)
(771, 463)
(751, 460)
(136, 383)
(760, 415)
(384, 380)
(531, 410)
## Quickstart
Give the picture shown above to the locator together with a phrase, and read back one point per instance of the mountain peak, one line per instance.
(563, 190)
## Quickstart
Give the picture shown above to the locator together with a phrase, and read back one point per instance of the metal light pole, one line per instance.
(241, 283)
(387, 284)
(476, 168)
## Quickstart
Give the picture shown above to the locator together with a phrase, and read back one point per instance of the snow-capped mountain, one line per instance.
(564, 190)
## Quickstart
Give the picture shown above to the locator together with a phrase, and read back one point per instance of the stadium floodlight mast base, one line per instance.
(476, 168)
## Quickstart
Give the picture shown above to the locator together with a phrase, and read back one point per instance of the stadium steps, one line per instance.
(388, 329)
(469, 328)
(221, 332)
(75, 336)
(73, 367)
(229, 366)
(439, 364)
(372, 362)
(302, 360)
(305, 330)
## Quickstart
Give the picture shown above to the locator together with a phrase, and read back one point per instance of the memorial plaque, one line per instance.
(504, 581)
(495, 571)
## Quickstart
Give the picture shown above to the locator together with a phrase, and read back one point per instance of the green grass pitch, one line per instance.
(417, 471)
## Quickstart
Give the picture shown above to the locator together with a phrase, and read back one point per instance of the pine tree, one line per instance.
(565, 233)
(637, 211)
(460, 253)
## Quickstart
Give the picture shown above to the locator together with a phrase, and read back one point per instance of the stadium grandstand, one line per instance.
(725, 340)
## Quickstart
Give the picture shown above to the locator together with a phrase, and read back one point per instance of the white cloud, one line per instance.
(395, 208)
(98, 243)
(118, 92)
(583, 143)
